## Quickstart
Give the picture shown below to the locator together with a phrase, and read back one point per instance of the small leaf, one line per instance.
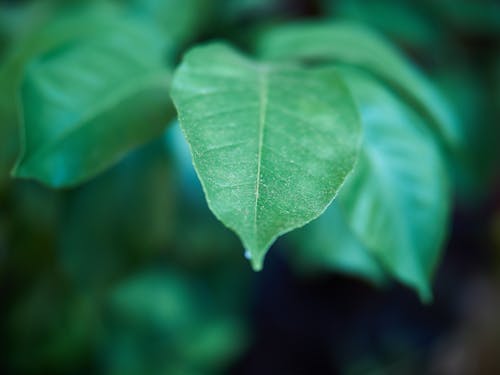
(271, 144)
(353, 44)
(88, 102)
(397, 199)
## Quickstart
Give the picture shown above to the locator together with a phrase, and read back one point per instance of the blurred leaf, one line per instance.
(215, 343)
(181, 20)
(163, 301)
(269, 162)
(354, 44)
(165, 321)
(328, 243)
(77, 97)
(16, 24)
(54, 28)
(17, 20)
(397, 199)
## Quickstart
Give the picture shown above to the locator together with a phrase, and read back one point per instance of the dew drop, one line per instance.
(248, 255)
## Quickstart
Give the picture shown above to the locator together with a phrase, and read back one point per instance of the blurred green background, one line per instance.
(131, 274)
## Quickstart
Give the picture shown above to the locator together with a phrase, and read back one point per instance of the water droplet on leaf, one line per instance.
(248, 255)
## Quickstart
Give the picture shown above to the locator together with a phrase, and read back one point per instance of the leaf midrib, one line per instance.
(263, 103)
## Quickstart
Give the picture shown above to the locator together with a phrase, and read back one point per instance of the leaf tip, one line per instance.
(257, 261)
(257, 265)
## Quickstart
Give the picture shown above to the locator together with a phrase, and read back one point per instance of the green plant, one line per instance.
(112, 262)
(312, 113)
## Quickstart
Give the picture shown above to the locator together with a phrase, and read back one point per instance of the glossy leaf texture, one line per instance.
(397, 199)
(85, 103)
(353, 44)
(271, 144)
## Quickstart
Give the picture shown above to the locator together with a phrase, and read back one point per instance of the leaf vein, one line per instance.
(263, 99)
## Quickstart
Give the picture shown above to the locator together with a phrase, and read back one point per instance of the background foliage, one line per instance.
(130, 273)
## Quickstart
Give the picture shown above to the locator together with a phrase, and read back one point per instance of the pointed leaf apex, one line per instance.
(257, 262)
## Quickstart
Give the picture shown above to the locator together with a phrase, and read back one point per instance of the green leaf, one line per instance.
(271, 144)
(353, 44)
(215, 343)
(86, 103)
(179, 19)
(329, 244)
(20, 20)
(20, 23)
(53, 28)
(166, 301)
(397, 199)
(191, 327)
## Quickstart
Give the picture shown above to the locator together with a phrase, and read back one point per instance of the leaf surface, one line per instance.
(397, 198)
(271, 144)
